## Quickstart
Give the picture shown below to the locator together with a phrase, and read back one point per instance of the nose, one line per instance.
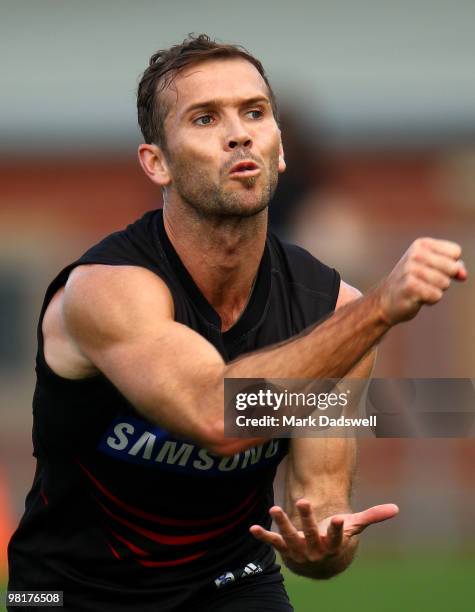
(238, 136)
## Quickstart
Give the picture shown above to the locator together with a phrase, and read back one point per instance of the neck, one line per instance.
(222, 254)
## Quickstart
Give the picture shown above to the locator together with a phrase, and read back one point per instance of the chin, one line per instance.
(245, 208)
(245, 203)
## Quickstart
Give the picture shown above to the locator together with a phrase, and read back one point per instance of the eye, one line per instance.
(203, 120)
(256, 113)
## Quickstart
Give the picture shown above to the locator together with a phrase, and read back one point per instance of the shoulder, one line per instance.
(313, 274)
(100, 304)
(298, 257)
(121, 277)
(135, 244)
(301, 268)
(298, 263)
(108, 293)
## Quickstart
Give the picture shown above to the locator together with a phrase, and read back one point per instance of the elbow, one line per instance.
(214, 438)
(217, 443)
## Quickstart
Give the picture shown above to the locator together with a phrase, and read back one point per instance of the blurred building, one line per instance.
(380, 133)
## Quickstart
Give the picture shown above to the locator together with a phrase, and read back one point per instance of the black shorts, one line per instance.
(264, 593)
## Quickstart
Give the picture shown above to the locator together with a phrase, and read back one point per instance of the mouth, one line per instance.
(244, 169)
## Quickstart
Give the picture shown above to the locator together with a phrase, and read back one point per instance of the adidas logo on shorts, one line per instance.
(250, 569)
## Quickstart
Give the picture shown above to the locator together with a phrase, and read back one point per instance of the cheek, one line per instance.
(273, 144)
(274, 152)
(189, 155)
(197, 150)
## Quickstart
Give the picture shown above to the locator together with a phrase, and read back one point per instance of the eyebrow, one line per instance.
(214, 103)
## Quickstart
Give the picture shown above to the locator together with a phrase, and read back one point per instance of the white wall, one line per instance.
(69, 68)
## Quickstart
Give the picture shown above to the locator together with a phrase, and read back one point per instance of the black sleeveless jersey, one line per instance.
(123, 515)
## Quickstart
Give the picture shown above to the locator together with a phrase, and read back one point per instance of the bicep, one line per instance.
(122, 320)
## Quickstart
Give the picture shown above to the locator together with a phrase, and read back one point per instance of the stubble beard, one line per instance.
(211, 199)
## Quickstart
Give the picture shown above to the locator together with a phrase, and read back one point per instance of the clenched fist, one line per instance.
(420, 277)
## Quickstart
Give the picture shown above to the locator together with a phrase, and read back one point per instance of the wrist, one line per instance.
(376, 295)
(328, 566)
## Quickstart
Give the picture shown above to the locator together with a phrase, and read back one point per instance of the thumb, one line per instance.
(375, 514)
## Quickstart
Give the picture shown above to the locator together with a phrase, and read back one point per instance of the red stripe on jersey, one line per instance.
(147, 563)
(130, 545)
(164, 519)
(114, 552)
(175, 540)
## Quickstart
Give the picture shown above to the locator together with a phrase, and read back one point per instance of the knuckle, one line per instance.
(422, 242)
(411, 284)
(417, 253)
(422, 257)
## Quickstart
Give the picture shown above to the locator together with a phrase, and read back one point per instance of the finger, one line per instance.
(443, 263)
(286, 528)
(269, 537)
(335, 533)
(375, 514)
(444, 247)
(309, 525)
(432, 277)
(422, 292)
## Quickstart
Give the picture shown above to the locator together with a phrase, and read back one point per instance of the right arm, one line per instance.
(121, 319)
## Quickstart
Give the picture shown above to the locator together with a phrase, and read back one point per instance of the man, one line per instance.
(139, 500)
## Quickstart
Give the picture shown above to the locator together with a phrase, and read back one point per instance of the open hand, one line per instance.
(318, 540)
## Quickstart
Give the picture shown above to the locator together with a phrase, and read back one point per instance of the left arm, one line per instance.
(318, 533)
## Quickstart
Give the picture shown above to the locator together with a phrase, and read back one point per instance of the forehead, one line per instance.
(220, 79)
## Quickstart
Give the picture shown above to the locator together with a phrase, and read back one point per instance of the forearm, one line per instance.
(328, 350)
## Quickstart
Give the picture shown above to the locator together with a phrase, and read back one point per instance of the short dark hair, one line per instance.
(163, 67)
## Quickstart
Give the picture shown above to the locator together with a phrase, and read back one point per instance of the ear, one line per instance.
(154, 164)
(282, 166)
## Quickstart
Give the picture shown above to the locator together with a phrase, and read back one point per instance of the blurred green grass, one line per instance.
(434, 582)
(419, 582)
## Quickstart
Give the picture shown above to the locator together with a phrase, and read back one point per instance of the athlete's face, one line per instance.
(219, 115)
